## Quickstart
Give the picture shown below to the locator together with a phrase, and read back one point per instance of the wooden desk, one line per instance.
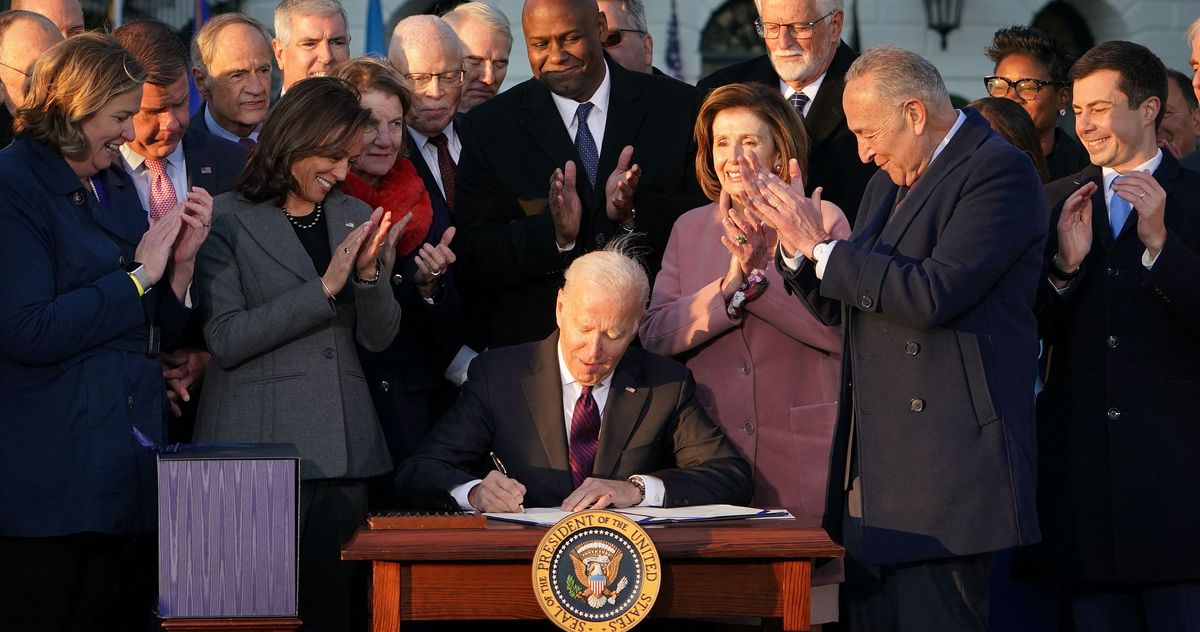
(712, 569)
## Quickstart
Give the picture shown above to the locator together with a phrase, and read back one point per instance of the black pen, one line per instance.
(503, 470)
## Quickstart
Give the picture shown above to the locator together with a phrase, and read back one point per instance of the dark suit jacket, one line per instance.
(1119, 478)
(512, 404)
(511, 146)
(940, 349)
(1191, 161)
(425, 169)
(212, 162)
(79, 364)
(833, 160)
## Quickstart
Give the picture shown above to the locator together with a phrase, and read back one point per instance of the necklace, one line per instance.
(316, 217)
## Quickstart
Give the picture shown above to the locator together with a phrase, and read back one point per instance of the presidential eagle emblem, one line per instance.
(597, 565)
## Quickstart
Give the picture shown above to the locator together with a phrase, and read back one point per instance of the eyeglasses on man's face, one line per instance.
(614, 36)
(449, 78)
(1027, 88)
(798, 30)
(15, 68)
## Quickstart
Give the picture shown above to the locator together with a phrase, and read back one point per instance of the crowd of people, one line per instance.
(959, 339)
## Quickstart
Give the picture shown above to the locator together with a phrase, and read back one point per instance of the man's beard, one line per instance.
(797, 64)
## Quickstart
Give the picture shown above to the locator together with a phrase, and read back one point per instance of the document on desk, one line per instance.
(549, 516)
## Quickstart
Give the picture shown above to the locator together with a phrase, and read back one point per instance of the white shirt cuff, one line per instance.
(1148, 262)
(567, 248)
(790, 262)
(457, 371)
(819, 270)
(461, 492)
(655, 491)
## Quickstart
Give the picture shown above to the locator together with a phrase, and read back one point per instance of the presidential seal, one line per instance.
(596, 571)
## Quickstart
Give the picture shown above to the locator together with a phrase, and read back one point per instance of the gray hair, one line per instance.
(637, 13)
(205, 42)
(1193, 31)
(614, 269)
(425, 31)
(823, 6)
(897, 74)
(286, 10)
(491, 17)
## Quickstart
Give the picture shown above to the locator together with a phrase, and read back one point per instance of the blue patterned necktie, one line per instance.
(1118, 210)
(585, 437)
(585, 144)
(799, 100)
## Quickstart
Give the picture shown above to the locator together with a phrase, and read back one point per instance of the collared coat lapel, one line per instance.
(543, 395)
(268, 226)
(622, 413)
(127, 224)
(626, 109)
(826, 113)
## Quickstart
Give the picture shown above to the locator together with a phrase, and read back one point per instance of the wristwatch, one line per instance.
(641, 485)
(140, 277)
(821, 250)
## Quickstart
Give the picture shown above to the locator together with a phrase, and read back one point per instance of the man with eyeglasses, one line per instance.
(429, 57)
(24, 36)
(808, 61)
(559, 165)
(628, 41)
(487, 41)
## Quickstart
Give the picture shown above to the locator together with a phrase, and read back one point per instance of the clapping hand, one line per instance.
(432, 262)
(196, 223)
(620, 187)
(1075, 228)
(1149, 201)
(565, 208)
(796, 218)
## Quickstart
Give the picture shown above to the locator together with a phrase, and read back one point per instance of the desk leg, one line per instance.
(385, 596)
(797, 578)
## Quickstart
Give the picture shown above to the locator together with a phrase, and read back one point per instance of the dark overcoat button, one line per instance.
(912, 348)
(865, 302)
(916, 404)
(328, 352)
(1114, 414)
(1113, 341)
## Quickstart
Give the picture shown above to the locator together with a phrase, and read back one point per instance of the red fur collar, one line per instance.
(401, 191)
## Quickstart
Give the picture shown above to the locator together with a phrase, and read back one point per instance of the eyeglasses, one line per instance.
(799, 30)
(1027, 89)
(15, 68)
(449, 78)
(614, 36)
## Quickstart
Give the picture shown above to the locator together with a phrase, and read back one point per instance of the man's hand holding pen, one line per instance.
(497, 493)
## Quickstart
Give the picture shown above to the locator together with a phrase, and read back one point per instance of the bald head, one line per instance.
(66, 15)
(24, 36)
(429, 57)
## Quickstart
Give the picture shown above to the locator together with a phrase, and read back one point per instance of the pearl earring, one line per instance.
(778, 167)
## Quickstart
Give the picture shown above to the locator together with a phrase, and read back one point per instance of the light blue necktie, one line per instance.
(1118, 210)
(585, 144)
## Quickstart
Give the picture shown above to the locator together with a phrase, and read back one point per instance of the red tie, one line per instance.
(445, 166)
(585, 437)
(162, 191)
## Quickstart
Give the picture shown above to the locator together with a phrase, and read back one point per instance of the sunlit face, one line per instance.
(67, 15)
(318, 44)
(106, 130)
(595, 328)
(564, 47)
(636, 50)
(1194, 62)
(1050, 99)
(738, 132)
(24, 41)
(1114, 135)
(486, 61)
(1179, 126)
(238, 84)
(159, 125)
(381, 148)
(315, 176)
(800, 61)
(885, 133)
(434, 103)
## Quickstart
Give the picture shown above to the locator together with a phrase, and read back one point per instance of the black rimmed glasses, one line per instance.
(1027, 88)
(449, 78)
(798, 30)
(614, 36)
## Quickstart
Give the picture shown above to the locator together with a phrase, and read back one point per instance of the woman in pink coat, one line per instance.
(766, 370)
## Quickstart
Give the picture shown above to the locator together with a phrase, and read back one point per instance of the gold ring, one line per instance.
(1142, 194)
(435, 273)
(741, 239)
(346, 250)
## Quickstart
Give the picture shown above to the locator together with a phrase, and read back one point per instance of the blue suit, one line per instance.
(79, 364)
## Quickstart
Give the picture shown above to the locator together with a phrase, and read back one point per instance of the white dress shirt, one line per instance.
(1110, 174)
(215, 128)
(135, 166)
(810, 91)
(597, 122)
(429, 151)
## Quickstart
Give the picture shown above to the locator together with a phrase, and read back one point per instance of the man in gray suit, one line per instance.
(540, 407)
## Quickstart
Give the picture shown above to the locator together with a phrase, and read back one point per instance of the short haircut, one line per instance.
(1185, 86)
(898, 74)
(157, 47)
(368, 73)
(286, 10)
(615, 270)
(636, 12)
(205, 43)
(424, 31)
(1141, 73)
(9, 18)
(486, 14)
(1034, 43)
(824, 6)
(787, 129)
(1193, 30)
(71, 82)
(291, 133)
(1011, 121)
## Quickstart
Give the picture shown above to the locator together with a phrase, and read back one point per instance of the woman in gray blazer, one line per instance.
(288, 282)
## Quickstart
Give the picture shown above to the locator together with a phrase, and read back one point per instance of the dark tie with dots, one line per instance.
(445, 165)
(799, 100)
(585, 437)
(585, 144)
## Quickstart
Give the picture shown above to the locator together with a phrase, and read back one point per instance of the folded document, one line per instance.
(546, 516)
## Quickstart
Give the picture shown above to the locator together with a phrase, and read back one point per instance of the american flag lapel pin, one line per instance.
(206, 170)
(349, 224)
(630, 389)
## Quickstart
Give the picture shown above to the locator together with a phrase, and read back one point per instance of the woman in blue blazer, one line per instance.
(91, 293)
